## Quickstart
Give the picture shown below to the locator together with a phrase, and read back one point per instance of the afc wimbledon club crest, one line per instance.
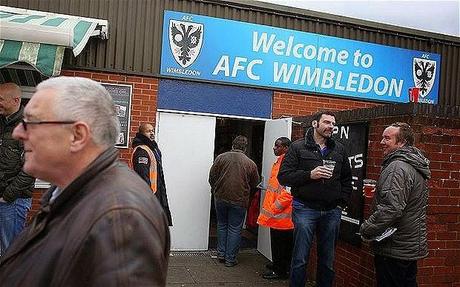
(424, 72)
(185, 39)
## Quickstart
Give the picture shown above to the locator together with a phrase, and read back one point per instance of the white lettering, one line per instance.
(328, 79)
(377, 85)
(222, 66)
(251, 64)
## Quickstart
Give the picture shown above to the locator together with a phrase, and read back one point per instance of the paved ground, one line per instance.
(203, 269)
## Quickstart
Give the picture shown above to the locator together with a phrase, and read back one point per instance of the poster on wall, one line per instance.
(221, 50)
(121, 95)
(354, 137)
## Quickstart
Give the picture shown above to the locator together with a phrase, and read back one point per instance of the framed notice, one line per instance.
(121, 95)
(354, 137)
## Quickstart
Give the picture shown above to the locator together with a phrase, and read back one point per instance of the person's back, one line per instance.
(234, 175)
(232, 178)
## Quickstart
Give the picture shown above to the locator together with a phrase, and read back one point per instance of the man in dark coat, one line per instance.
(401, 201)
(15, 185)
(147, 164)
(99, 224)
(319, 174)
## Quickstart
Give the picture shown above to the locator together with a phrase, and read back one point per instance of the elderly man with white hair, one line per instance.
(99, 224)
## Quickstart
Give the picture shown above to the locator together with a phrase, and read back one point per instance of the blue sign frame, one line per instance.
(219, 50)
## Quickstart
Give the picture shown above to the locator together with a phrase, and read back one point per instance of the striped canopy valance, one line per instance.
(39, 38)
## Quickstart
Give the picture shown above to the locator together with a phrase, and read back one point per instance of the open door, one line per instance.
(273, 130)
(187, 146)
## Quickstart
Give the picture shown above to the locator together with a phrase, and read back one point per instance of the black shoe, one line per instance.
(231, 264)
(272, 275)
(221, 259)
(269, 265)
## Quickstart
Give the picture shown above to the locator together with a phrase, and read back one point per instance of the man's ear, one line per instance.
(314, 123)
(80, 136)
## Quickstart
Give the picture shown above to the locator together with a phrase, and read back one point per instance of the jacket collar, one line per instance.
(310, 142)
(101, 163)
(140, 139)
(14, 118)
(72, 192)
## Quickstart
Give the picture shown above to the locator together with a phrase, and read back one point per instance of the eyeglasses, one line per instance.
(26, 123)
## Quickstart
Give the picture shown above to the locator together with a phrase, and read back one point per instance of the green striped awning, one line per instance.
(39, 38)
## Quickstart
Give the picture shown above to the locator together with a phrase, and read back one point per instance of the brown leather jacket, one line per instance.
(233, 177)
(105, 229)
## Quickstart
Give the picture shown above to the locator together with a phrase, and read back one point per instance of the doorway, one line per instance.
(226, 130)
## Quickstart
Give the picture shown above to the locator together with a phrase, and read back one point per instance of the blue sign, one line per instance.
(220, 50)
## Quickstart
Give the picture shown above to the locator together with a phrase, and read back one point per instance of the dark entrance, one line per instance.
(226, 130)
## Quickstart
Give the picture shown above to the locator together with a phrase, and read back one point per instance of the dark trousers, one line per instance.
(281, 244)
(391, 272)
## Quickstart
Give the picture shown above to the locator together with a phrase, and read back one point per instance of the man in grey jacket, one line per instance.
(400, 202)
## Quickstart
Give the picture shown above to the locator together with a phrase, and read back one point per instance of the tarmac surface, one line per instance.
(201, 268)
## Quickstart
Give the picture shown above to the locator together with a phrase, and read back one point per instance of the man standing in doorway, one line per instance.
(319, 174)
(400, 202)
(147, 163)
(276, 214)
(15, 185)
(233, 177)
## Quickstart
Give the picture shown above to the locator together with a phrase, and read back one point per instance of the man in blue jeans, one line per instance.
(319, 174)
(15, 185)
(232, 177)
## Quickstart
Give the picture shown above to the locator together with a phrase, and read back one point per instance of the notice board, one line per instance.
(121, 95)
(354, 137)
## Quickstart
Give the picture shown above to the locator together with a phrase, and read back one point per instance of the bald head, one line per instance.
(147, 130)
(10, 98)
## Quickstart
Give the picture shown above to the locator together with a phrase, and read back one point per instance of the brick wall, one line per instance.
(144, 99)
(295, 105)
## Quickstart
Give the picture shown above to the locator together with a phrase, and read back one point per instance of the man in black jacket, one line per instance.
(15, 185)
(319, 174)
(147, 163)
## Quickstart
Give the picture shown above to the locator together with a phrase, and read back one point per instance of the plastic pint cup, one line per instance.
(329, 164)
(369, 187)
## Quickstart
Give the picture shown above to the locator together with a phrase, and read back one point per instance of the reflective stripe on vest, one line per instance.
(153, 167)
(276, 209)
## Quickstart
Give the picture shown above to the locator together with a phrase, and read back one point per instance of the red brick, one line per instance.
(119, 78)
(448, 218)
(431, 261)
(100, 77)
(446, 235)
(450, 183)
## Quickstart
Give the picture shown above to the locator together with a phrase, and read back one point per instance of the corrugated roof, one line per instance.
(136, 27)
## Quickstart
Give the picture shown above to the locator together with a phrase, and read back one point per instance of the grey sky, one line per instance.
(433, 16)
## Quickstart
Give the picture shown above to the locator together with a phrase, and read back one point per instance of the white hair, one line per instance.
(82, 99)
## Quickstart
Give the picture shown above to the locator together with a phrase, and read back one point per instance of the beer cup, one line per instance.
(369, 187)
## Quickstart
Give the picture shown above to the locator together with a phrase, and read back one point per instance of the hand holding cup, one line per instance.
(323, 171)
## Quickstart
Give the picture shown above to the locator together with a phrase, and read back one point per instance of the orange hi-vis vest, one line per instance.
(276, 209)
(153, 167)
